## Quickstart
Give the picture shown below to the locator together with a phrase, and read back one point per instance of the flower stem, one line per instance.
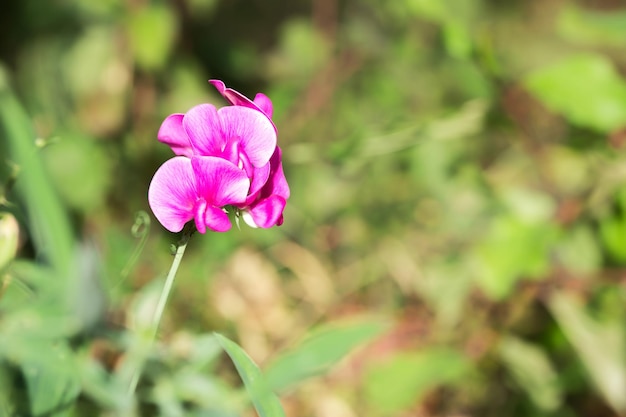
(165, 292)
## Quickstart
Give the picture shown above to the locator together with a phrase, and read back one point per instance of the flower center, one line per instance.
(233, 153)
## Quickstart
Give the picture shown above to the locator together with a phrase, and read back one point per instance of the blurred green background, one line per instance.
(458, 208)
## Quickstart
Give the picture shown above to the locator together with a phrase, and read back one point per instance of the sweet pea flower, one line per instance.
(196, 188)
(265, 207)
(244, 136)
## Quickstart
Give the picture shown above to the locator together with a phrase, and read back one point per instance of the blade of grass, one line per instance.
(265, 401)
(48, 223)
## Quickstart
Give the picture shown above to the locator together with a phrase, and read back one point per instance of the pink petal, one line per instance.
(204, 127)
(209, 216)
(172, 193)
(268, 212)
(232, 152)
(277, 183)
(261, 102)
(217, 219)
(264, 104)
(259, 179)
(173, 134)
(199, 216)
(255, 132)
(234, 97)
(219, 181)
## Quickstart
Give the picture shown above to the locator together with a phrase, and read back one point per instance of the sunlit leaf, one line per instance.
(457, 39)
(318, 352)
(152, 31)
(434, 10)
(586, 89)
(265, 401)
(513, 248)
(613, 231)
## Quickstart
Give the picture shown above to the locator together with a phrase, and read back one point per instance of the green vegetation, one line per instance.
(454, 244)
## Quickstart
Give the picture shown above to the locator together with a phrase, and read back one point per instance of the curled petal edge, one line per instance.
(265, 213)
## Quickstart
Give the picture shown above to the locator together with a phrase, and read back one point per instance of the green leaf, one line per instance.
(457, 39)
(586, 89)
(265, 401)
(532, 370)
(51, 379)
(613, 233)
(578, 250)
(87, 60)
(152, 33)
(48, 369)
(513, 249)
(394, 386)
(432, 10)
(303, 51)
(80, 170)
(599, 345)
(47, 221)
(318, 352)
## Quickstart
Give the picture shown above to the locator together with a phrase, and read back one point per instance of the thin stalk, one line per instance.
(165, 292)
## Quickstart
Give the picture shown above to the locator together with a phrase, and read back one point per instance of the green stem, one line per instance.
(160, 308)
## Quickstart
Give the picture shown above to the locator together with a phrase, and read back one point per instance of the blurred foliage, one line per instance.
(455, 243)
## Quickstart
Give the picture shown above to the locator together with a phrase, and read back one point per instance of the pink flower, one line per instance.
(244, 136)
(263, 208)
(196, 188)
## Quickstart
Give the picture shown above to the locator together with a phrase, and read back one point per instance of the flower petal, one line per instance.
(173, 134)
(234, 97)
(219, 181)
(204, 127)
(259, 179)
(264, 104)
(261, 102)
(217, 219)
(199, 216)
(277, 183)
(172, 193)
(267, 212)
(254, 130)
